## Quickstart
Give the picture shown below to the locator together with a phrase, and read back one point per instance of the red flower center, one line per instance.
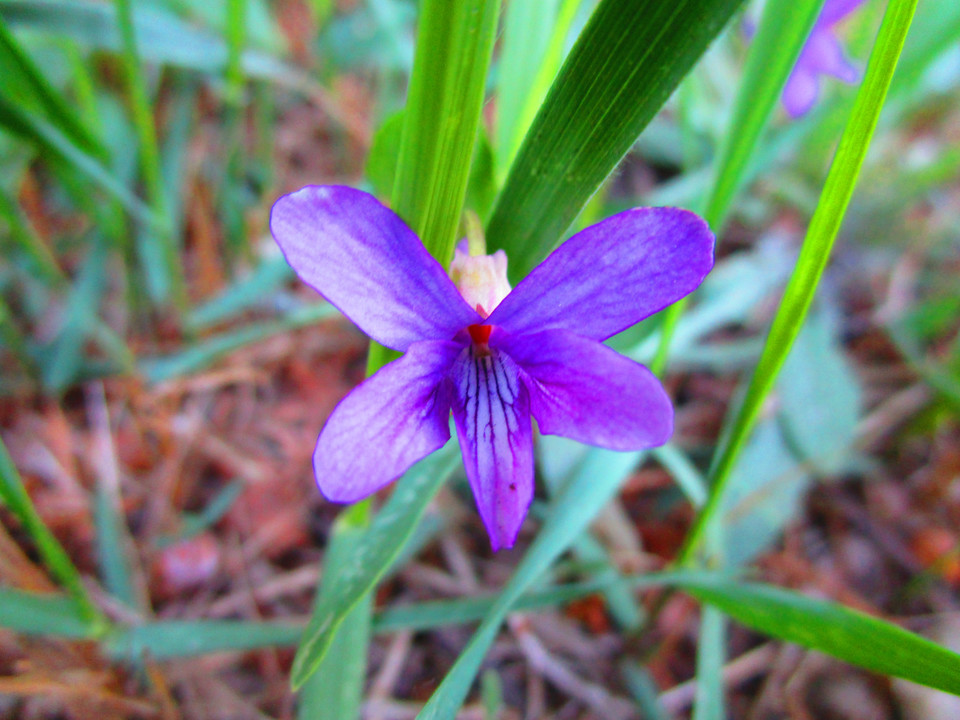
(480, 334)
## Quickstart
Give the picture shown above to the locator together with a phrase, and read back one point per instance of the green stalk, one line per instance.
(814, 255)
(454, 44)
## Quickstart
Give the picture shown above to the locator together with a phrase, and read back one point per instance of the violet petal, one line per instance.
(394, 418)
(583, 390)
(361, 257)
(491, 411)
(611, 275)
(835, 10)
(801, 91)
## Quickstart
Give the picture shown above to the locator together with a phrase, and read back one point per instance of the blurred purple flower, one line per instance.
(821, 55)
(538, 352)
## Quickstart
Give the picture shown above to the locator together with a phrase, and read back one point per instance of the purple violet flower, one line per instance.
(537, 352)
(821, 55)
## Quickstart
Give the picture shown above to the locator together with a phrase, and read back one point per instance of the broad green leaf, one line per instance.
(336, 688)
(371, 557)
(767, 487)
(594, 484)
(381, 167)
(42, 614)
(627, 61)
(814, 254)
(820, 396)
(14, 496)
(846, 634)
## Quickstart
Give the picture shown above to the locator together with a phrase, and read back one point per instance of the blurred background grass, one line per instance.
(161, 410)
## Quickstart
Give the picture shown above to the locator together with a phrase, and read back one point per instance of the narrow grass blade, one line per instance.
(163, 37)
(244, 294)
(49, 138)
(206, 352)
(142, 114)
(336, 689)
(41, 614)
(371, 558)
(831, 628)
(164, 640)
(24, 236)
(773, 52)
(14, 496)
(596, 481)
(814, 254)
(80, 316)
(114, 545)
(23, 82)
(627, 61)
(195, 523)
(527, 29)
(708, 701)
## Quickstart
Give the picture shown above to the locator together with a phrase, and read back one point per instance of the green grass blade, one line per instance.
(831, 628)
(23, 235)
(814, 254)
(527, 29)
(206, 352)
(440, 123)
(32, 126)
(43, 614)
(166, 639)
(454, 43)
(169, 639)
(242, 295)
(115, 548)
(142, 114)
(595, 483)
(711, 654)
(627, 61)
(773, 52)
(547, 70)
(336, 688)
(372, 557)
(80, 317)
(161, 36)
(23, 82)
(14, 496)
